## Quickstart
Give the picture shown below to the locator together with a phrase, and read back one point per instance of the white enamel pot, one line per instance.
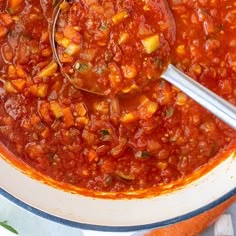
(107, 214)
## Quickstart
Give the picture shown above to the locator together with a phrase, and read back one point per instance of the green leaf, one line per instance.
(8, 227)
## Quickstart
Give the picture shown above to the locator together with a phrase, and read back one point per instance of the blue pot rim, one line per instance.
(74, 224)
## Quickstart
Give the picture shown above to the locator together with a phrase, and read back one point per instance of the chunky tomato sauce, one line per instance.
(144, 132)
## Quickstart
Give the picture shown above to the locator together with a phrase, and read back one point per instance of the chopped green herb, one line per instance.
(108, 180)
(101, 69)
(158, 62)
(81, 66)
(8, 10)
(105, 132)
(220, 27)
(204, 11)
(162, 84)
(54, 3)
(169, 112)
(103, 26)
(8, 227)
(124, 176)
(145, 154)
(142, 154)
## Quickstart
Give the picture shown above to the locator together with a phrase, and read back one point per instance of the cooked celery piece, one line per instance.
(82, 67)
(56, 109)
(72, 49)
(49, 70)
(42, 90)
(151, 43)
(128, 117)
(119, 17)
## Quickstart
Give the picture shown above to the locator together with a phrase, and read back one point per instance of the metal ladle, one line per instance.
(208, 99)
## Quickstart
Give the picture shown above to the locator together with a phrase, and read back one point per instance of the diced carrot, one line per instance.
(68, 117)
(90, 2)
(92, 156)
(114, 75)
(225, 86)
(147, 108)
(64, 6)
(129, 71)
(181, 49)
(14, 5)
(20, 72)
(123, 38)
(101, 107)
(19, 84)
(131, 88)
(65, 58)
(107, 166)
(181, 99)
(42, 90)
(7, 52)
(81, 109)
(82, 120)
(119, 17)
(33, 89)
(65, 42)
(3, 31)
(97, 9)
(35, 119)
(152, 108)
(162, 165)
(10, 88)
(39, 90)
(11, 71)
(129, 117)
(26, 124)
(70, 33)
(46, 52)
(44, 112)
(45, 133)
(44, 36)
(6, 19)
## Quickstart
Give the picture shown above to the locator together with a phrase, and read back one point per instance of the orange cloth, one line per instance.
(195, 225)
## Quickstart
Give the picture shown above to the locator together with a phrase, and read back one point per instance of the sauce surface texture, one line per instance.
(145, 133)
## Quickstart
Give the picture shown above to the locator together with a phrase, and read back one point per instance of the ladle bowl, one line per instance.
(208, 99)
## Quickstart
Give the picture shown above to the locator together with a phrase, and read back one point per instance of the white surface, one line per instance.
(28, 224)
(224, 226)
(4, 232)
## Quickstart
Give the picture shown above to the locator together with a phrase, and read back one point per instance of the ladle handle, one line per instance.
(211, 101)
